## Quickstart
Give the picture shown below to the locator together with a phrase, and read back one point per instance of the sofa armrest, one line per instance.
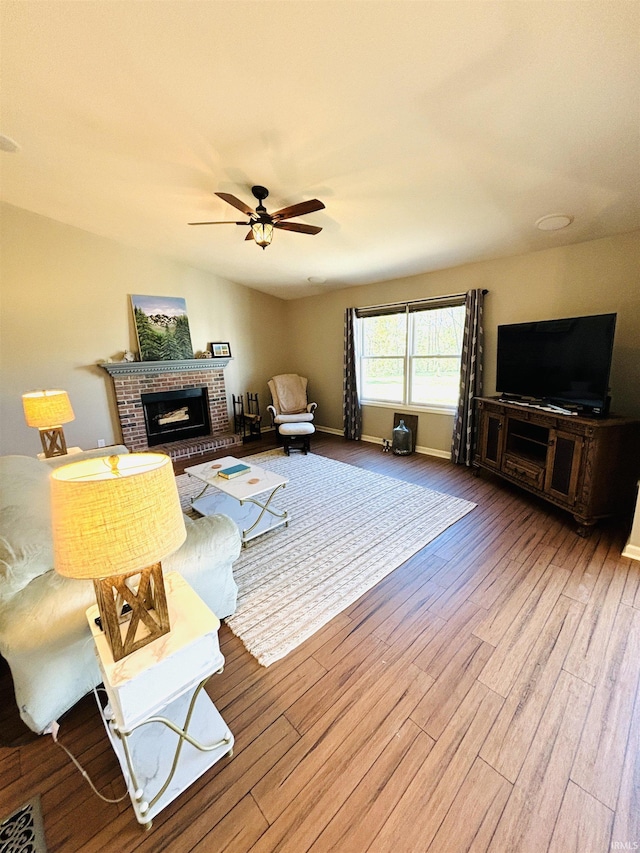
(206, 559)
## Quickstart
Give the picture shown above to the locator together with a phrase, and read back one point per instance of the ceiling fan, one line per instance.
(262, 223)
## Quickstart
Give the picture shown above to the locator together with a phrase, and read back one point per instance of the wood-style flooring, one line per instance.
(482, 697)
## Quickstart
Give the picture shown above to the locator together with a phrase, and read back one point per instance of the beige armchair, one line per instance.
(291, 414)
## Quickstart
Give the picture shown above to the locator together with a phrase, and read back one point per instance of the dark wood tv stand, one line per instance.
(588, 466)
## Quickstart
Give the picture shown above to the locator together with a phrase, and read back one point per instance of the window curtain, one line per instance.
(351, 406)
(464, 426)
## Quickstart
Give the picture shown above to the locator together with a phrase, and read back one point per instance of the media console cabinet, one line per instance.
(588, 466)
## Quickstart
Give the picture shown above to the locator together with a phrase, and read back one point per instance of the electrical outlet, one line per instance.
(101, 442)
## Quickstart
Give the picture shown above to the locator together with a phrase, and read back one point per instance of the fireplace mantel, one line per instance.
(133, 379)
(120, 368)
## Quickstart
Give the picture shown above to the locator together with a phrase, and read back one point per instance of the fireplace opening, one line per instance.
(176, 415)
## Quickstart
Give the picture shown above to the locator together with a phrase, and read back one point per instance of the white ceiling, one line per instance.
(436, 133)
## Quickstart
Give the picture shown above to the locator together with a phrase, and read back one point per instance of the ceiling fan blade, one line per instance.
(298, 209)
(249, 236)
(298, 226)
(231, 199)
(223, 222)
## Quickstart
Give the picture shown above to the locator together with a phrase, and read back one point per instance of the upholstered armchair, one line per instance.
(290, 405)
(291, 413)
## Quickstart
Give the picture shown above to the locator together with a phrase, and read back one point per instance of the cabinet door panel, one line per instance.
(491, 439)
(563, 465)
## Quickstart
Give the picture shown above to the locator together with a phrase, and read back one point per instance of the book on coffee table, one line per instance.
(234, 471)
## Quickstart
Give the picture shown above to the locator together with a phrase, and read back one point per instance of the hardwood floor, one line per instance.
(482, 697)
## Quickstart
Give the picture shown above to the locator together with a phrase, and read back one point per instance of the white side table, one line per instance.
(164, 729)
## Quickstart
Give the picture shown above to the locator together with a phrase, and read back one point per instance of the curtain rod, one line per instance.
(416, 301)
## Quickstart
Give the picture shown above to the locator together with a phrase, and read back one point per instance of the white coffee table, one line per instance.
(238, 497)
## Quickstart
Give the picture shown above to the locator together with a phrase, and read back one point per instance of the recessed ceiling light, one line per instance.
(554, 221)
(316, 279)
(8, 144)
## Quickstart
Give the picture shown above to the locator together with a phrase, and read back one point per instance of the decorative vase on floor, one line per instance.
(401, 445)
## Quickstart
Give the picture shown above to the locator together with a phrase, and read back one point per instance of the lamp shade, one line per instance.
(114, 515)
(43, 409)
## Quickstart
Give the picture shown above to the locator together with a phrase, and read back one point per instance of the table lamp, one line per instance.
(48, 410)
(114, 518)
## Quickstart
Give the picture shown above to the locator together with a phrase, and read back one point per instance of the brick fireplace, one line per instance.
(133, 380)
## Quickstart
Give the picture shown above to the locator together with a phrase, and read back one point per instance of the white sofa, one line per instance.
(44, 635)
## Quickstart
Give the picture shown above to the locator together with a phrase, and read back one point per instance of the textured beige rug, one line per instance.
(349, 528)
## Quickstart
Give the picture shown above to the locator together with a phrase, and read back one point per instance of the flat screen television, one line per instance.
(565, 362)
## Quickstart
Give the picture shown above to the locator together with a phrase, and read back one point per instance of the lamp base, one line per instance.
(149, 615)
(53, 442)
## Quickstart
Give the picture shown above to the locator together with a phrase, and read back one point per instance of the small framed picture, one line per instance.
(220, 350)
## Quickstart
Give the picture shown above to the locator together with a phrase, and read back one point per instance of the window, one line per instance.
(410, 354)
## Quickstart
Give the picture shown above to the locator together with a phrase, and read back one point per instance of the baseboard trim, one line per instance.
(373, 439)
(330, 430)
(433, 451)
(632, 551)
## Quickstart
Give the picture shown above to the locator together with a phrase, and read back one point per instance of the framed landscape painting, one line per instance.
(162, 327)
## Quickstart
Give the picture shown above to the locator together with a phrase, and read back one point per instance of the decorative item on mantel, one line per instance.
(221, 349)
(401, 440)
(127, 357)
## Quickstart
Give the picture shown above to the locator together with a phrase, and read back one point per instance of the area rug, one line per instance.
(23, 830)
(349, 528)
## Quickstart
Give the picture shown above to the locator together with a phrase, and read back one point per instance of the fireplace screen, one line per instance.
(176, 415)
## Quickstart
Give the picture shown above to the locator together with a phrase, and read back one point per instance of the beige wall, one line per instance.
(587, 278)
(64, 305)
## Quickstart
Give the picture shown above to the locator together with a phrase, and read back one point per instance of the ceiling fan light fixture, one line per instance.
(263, 223)
(262, 233)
